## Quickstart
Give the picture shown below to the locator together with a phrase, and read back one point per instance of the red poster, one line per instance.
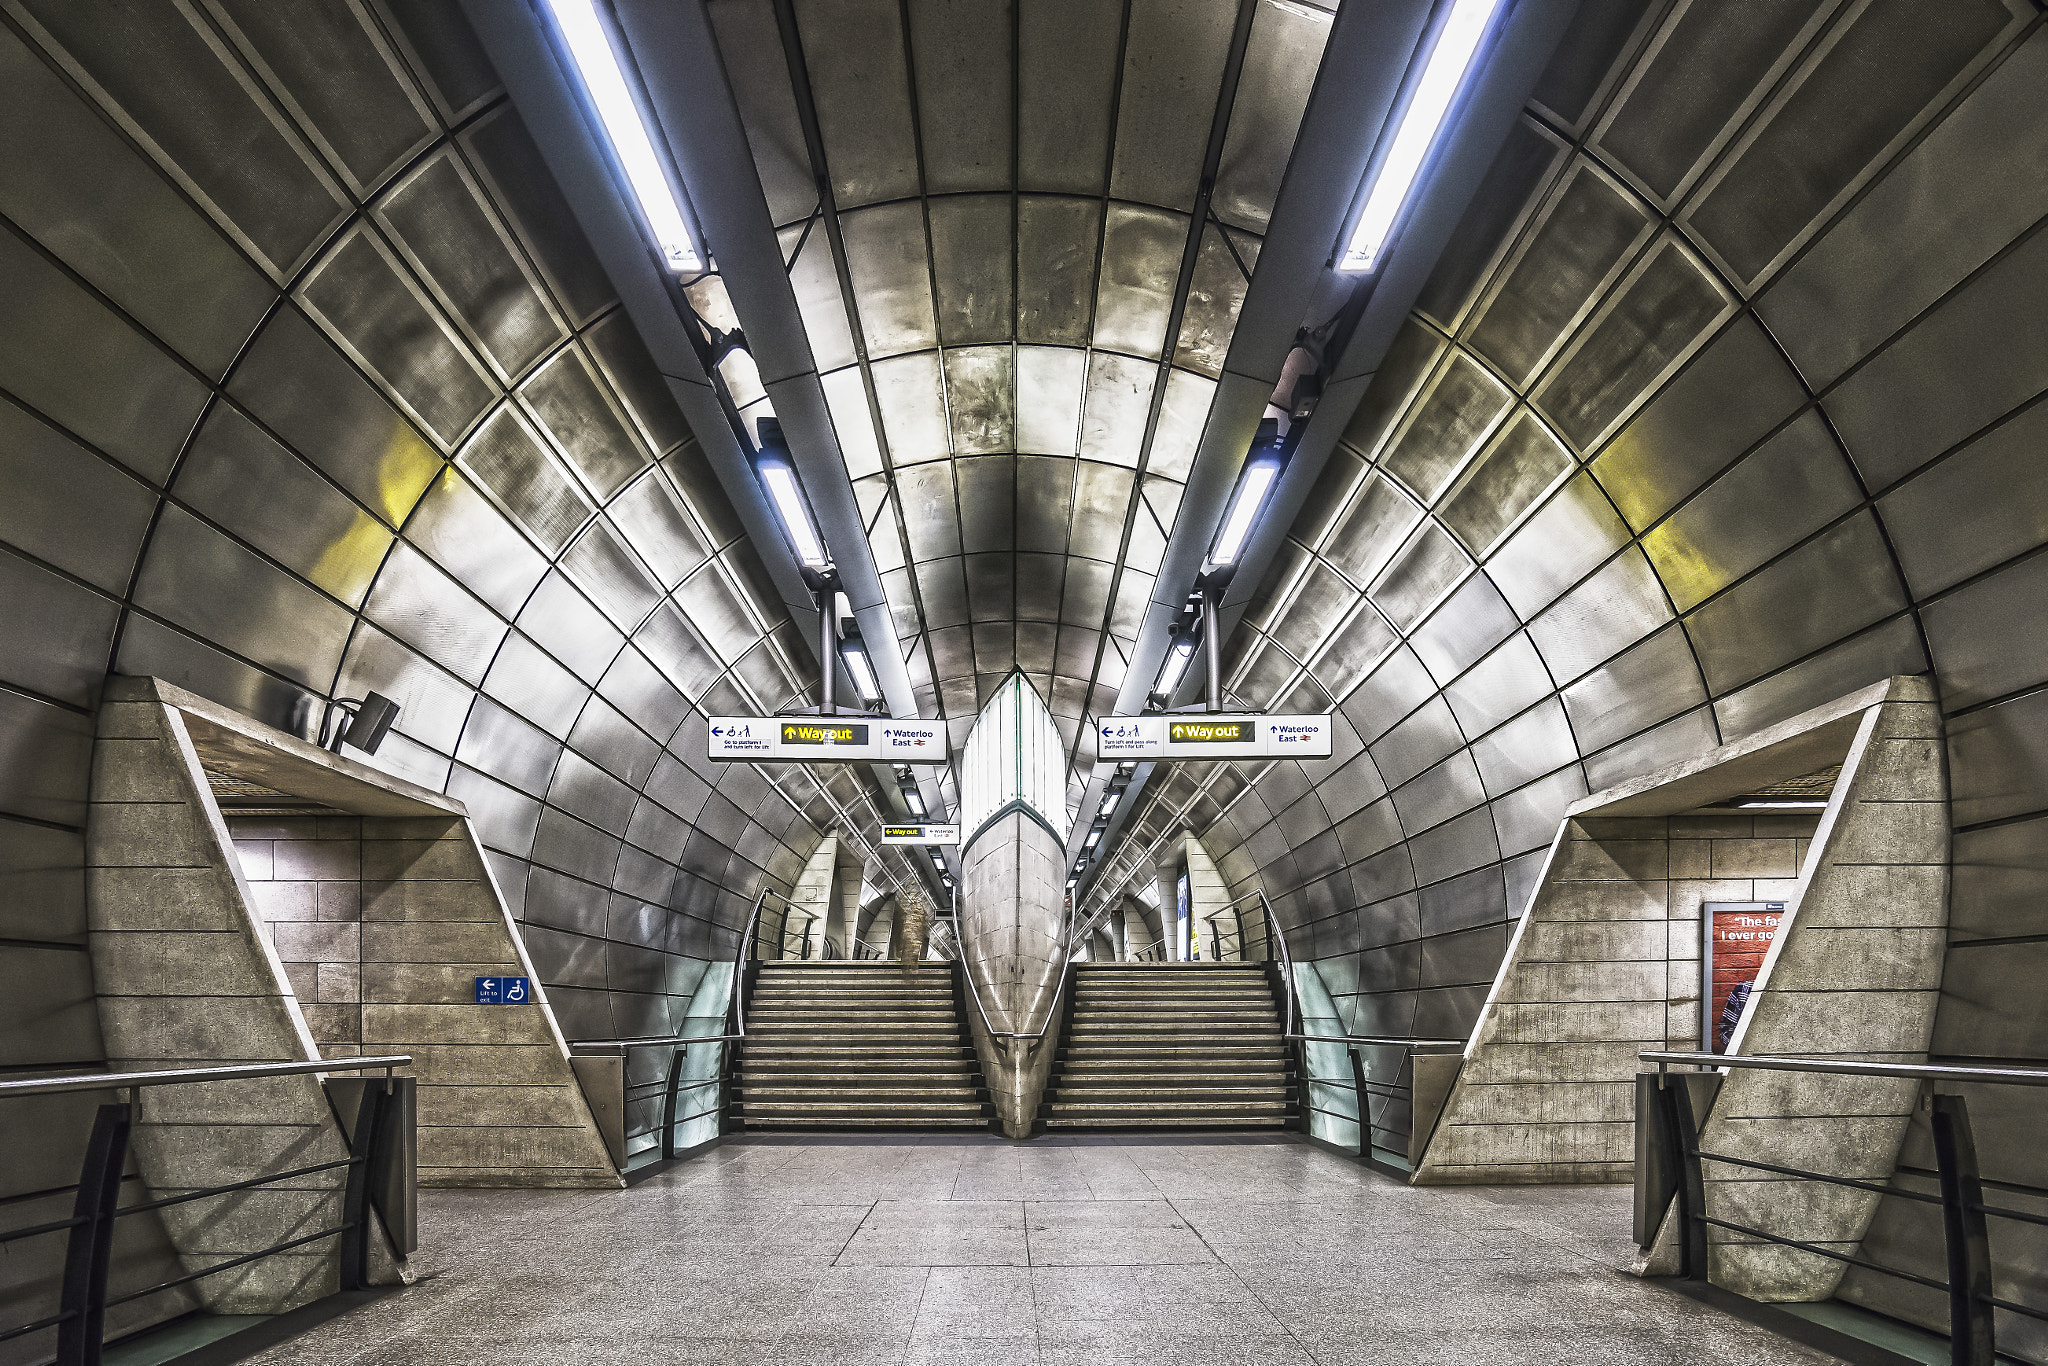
(1741, 938)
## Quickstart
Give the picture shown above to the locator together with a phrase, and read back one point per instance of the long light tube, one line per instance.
(591, 48)
(1441, 76)
(1176, 666)
(796, 516)
(1244, 510)
(856, 656)
(915, 801)
(1109, 803)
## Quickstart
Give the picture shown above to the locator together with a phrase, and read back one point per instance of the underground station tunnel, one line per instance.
(1023, 682)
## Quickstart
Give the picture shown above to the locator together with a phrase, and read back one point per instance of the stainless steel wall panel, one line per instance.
(1610, 611)
(2001, 882)
(614, 743)
(1471, 622)
(1173, 64)
(568, 845)
(855, 53)
(1067, 72)
(62, 632)
(639, 692)
(659, 528)
(675, 649)
(586, 791)
(1528, 155)
(1355, 648)
(1815, 139)
(69, 507)
(1669, 116)
(429, 611)
(1523, 461)
(1392, 691)
(1974, 358)
(237, 476)
(511, 165)
(1454, 847)
(1533, 744)
(149, 647)
(963, 94)
(613, 576)
(1416, 743)
(655, 830)
(1581, 236)
(1975, 182)
(439, 218)
(1997, 483)
(1420, 576)
(1468, 957)
(1978, 655)
(1141, 249)
(105, 383)
(1668, 305)
(887, 255)
(505, 819)
(508, 747)
(575, 409)
(1410, 359)
(908, 391)
(1660, 747)
(677, 788)
(973, 262)
(523, 678)
(1459, 412)
(168, 80)
(1998, 760)
(201, 580)
(1498, 686)
(295, 382)
(1215, 293)
(1280, 63)
(47, 1009)
(1554, 549)
(1647, 684)
(1836, 583)
(1433, 797)
(565, 960)
(1058, 240)
(49, 753)
(1528, 817)
(1370, 529)
(1794, 484)
(376, 313)
(161, 261)
(434, 704)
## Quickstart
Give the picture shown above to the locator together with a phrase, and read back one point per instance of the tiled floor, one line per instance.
(1131, 1250)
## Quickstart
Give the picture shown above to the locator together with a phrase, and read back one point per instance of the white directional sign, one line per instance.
(834, 739)
(920, 834)
(1210, 735)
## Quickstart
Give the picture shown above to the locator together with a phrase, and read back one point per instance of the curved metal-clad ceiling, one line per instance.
(1725, 399)
(310, 384)
(1043, 284)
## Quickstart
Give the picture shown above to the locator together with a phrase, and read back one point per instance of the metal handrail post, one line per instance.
(1364, 1109)
(355, 1204)
(668, 1104)
(82, 1304)
(1972, 1332)
(1692, 1187)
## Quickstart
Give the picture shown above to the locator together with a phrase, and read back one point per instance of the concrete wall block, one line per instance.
(334, 1026)
(316, 860)
(1754, 858)
(316, 941)
(229, 1225)
(391, 860)
(277, 1284)
(1551, 1062)
(340, 983)
(1692, 859)
(476, 1148)
(1810, 1211)
(137, 771)
(126, 720)
(410, 828)
(1528, 1174)
(400, 1028)
(198, 1031)
(341, 900)
(1853, 1023)
(147, 835)
(1901, 769)
(1771, 1095)
(526, 1107)
(1891, 832)
(1618, 828)
(1885, 958)
(1619, 900)
(305, 982)
(1863, 1147)
(1592, 941)
(1876, 894)
(1627, 860)
(396, 902)
(1713, 826)
(438, 1064)
(426, 942)
(276, 901)
(191, 963)
(1577, 1022)
(1475, 1144)
(172, 1161)
(1639, 981)
(141, 898)
(1552, 1103)
(427, 983)
(256, 859)
(1773, 1274)
(256, 1100)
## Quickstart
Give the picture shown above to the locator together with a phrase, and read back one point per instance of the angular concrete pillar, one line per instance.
(1012, 905)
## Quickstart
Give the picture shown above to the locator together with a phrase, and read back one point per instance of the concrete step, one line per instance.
(898, 1078)
(1121, 1121)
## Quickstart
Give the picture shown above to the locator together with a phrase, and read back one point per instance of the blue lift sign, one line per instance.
(504, 991)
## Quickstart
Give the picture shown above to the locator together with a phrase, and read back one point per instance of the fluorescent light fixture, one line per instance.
(1176, 665)
(1109, 803)
(1782, 804)
(1244, 510)
(1449, 60)
(591, 49)
(1094, 838)
(914, 800)
(857, 668)
(788, 497)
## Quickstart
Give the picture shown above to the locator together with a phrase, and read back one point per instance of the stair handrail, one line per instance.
(988, 1025)
(1274, 934)
(742, 953)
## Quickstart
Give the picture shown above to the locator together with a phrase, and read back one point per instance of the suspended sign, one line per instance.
(1209, 735)
(839, 739)
(920, 834)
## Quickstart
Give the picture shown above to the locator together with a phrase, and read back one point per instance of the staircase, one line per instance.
(1171, 1046)
(844, 1045)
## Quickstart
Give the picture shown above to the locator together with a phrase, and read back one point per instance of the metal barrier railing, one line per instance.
(1363, 1086)
(1966, 1236)
(83, 1302)
(862, 951)
(670, 1088)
